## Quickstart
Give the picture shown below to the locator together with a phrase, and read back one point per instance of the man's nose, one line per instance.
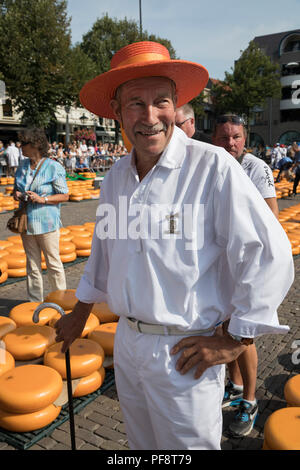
(150, 115)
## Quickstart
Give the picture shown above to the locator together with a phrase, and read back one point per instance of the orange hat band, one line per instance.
(146, 57)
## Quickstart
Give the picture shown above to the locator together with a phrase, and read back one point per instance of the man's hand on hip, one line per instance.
(205, 351)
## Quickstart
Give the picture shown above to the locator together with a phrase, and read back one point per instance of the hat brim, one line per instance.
(190, 79)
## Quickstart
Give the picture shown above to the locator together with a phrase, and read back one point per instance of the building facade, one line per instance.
(68, 122)
(279, 120)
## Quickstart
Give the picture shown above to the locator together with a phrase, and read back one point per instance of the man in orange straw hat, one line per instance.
(182, 243)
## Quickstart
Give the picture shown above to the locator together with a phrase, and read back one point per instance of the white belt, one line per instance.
(152, 329)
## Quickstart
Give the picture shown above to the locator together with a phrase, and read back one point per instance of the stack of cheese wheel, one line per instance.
(9, 190)
(26, 343)
(64, 298)
(22, 314)
(86, 361)
(91, 323)
(4, 244)
(3, 180)
(82, 239)
(65, 235)
(11, 180)
(105, 336)
(27, 396)
(8, 203)
(16, 264)
(67, 251)
(89, 227)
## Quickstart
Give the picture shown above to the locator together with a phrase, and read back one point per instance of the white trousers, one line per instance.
(163, 409)
(48, 243)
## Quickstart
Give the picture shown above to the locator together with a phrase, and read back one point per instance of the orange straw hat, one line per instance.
(137, 60)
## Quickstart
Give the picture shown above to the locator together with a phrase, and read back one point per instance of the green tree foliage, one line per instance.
(37, 60)
(254, 79)
(108, 35)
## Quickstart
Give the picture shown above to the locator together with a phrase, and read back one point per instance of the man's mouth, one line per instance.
(149, 132)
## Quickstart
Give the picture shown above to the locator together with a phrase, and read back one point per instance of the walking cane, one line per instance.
(35, 319)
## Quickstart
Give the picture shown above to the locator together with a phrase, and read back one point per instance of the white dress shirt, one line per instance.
(240, 268)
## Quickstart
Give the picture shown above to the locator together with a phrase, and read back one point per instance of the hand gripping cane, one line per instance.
(35, 319)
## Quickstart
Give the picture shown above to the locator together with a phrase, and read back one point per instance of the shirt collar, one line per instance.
(173, 155)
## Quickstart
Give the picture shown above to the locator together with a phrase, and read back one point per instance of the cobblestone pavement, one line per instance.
(100, 424)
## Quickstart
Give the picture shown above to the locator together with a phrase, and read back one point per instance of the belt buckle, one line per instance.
(135, 324)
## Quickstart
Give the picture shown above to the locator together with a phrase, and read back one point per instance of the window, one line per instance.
(7, 109)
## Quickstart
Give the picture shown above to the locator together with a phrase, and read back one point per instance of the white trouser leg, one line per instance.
(49, 244)
(163, 409)
(33, 267)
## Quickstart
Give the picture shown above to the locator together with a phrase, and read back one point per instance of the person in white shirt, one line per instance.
(230, 133)
(181, 244)
(12, 153)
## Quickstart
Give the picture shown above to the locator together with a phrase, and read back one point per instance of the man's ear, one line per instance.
(115, 106)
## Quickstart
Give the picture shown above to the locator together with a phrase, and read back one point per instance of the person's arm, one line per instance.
(272, 203)
(51, 199)
(70, 327)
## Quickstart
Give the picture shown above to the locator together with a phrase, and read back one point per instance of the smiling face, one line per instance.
(145, 107)
(231, 137)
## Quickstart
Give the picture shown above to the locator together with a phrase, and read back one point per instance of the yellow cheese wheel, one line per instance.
(3, 265)
(3, 252)
(66, 247)
(75, 227)
(105, 336)
(4, 244)
(16, 249)
(76, 198)
(292, 391)
(64, 298)
(89, 224)
(86, 356)
(3, 277)
(282, 429)
(6, 325)
(7, 361)
(16, 272)
(90, 384)
(82, 243)
(68, 257)
(64, 231)
(29, 388)
(83, 252)
(66, 238)
(29, 342)
(22, 314)
(15, 239)
(103, 312)
(15, 261)
(26, 422)
(81, 234)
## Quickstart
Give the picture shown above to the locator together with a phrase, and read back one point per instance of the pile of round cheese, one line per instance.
(27, 396)
(86, 361)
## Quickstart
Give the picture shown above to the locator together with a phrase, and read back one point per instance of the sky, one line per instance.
(210, 33)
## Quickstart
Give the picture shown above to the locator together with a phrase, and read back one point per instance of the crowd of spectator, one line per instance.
(78, 156)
